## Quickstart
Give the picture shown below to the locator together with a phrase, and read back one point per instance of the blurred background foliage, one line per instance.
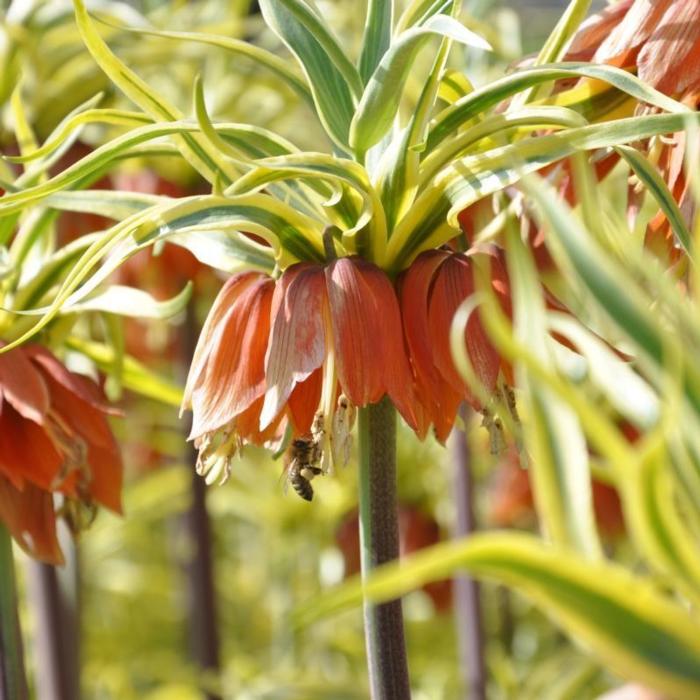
(272, 552)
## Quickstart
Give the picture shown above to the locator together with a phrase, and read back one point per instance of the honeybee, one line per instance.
(304, 457)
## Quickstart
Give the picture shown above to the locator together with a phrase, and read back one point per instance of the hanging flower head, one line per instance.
(302, 351)
(58, 456)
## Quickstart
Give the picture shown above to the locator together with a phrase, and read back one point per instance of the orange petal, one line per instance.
(370, 355)
(303, 402)
(29, 516)
(227, 295)
(623, 42)
(26, 451)
(235, 371)
(297, 338)
(670, 57)
(22, 385)
(453, 284)
(82, 387)
(106, 471)
(414, 291)
(595, 30)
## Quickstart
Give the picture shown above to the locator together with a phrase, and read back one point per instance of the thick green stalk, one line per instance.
(13, 683)
(379, 542)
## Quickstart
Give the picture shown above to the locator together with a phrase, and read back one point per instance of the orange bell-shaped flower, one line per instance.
(54, 438)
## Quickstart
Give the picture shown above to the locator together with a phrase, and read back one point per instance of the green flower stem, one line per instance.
(13, 683)
(379, 542)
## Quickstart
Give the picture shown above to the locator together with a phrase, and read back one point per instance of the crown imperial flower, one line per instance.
(54, 439)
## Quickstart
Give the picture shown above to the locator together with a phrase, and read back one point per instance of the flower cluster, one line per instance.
(58, 455)
(304, 350)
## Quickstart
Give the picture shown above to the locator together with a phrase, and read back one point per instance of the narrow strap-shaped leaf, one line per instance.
(553, 436)
(450, 119)
(530, 118)
(568, 23)
(129, 301)
(115, 117)
(658, 188)
(257, 141)
(258, 55)
(195, 148)
(377, 36)
(624, 620)
(381, 98)
(322, 166)
(292, 235)
(332, 93)
(431, 219)
(134, 376)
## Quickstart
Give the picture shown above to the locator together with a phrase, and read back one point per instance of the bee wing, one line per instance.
(286, 475)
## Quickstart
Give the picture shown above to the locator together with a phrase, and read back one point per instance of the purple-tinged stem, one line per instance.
(467, 597)
(379, 543)
(13, 682)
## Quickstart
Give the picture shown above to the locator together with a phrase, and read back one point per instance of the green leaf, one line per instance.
(431, 222)
(195, 148)
(320, 57)
(129, 301)
(553, 436)
(655, 184)
(381, 98)
(449, 120)
(624, 620)
(258, 55)
(377, 36)
(135, 376)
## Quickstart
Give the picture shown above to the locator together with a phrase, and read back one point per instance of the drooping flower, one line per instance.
(301, 351)
(431, 291)
(54, 439)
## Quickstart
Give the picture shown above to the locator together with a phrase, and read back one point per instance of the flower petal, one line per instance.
(26, 451)
(303, 402)
(23, 386)
(235, 371)
(670, 57)
(29, 516)
(368, 338)
(453, 284)
(227, 295)
(414, 291)
(297, 338)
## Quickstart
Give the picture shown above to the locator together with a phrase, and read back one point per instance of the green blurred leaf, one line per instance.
(627, 623)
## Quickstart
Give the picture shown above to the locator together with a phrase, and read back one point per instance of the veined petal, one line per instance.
(29, 516)
(595, 30)
(298, 341)
(368, 339)
(22, 385)
(670, 57)
(226, 297)
(622, 43)
(414, 292)
(235, 367)
(453, 284)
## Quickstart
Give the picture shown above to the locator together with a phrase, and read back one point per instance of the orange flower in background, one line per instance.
(660, 41)
(54, 438)
(431, 290)
(274, 353)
